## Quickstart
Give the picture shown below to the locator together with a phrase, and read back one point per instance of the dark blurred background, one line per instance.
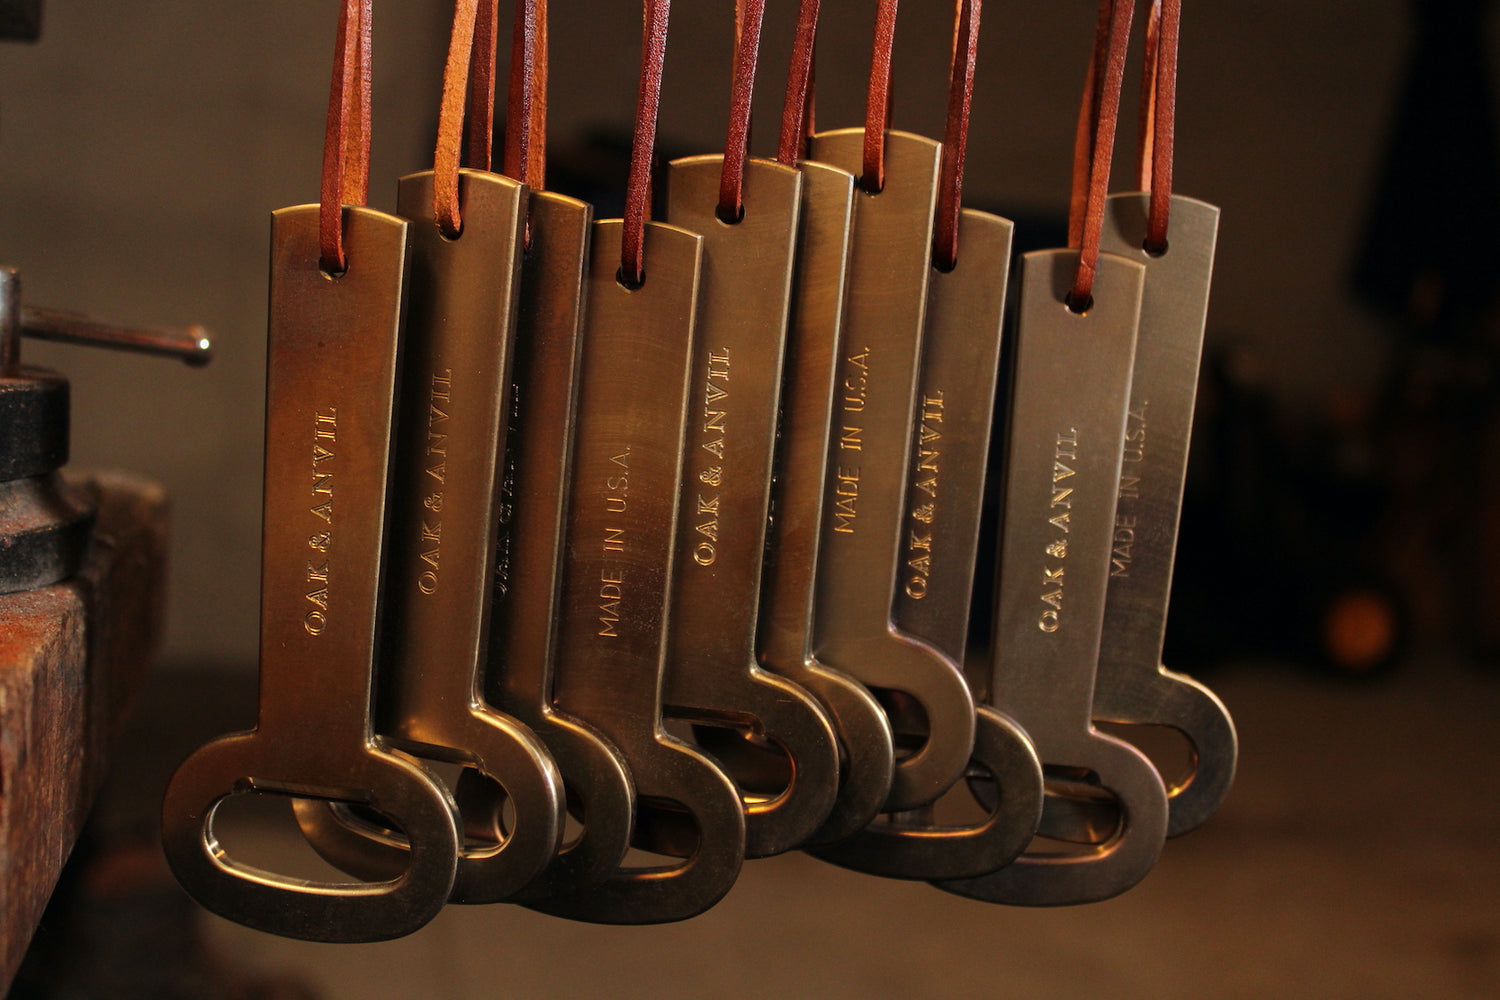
(1339, 571)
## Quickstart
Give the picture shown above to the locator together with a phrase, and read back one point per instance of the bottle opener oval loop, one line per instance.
(330, 395)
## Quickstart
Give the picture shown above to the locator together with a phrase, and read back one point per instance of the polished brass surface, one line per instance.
(790, 576)
(1067, 418)
(445, 510)
(612, 618)
(712, 676)
(945, 486)
(529, 567)
(865, 496)
(331, 372)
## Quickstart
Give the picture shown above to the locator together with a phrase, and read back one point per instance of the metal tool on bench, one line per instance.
(746, 211)
(466, 232)
(642, 292)
(44, 521)
(337, 278)
(865, 503)
(966, 288)
(809, 375)
(1075, 342)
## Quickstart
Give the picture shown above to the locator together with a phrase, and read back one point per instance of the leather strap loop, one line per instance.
(1083, 138)
(796, 112)
(1101, 106)
(643, 144)
(956, 135)
(748, 16)
(526, 107)
(479, 117)
(346, 138)
(878, 102)
(1159, 117)
(451, 119)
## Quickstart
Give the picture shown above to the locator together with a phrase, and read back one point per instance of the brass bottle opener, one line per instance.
(1132, 685)
(790, 574)
(331, 376)
(525, 636)
(1070, 392)
(865, 503)
(446, 504)
(712, 675)
(622, 519)
(960, 369)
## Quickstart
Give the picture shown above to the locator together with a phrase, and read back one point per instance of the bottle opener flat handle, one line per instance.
(446, 501)
(785, 639)
(1132, 685)
(960, 371)
(1071, 384)
(523, 640)
(622, 519)
(864, 508)
(712, 675)
(332, 366)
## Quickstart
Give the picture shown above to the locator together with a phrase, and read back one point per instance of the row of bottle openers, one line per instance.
(678, 563)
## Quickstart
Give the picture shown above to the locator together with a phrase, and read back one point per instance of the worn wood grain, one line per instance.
(70, 657)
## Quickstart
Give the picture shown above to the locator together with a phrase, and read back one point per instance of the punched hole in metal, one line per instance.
(1170, 750)
(257, 830)
(665, 834)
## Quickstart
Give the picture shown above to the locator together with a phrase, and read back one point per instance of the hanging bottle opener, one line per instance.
(1075, 342)
(864, 522)
(809, 372)
(746, 211)
(1133, 686)
(622, 519)
(466, 231)
(539, 458)
(960, 368)
(336, 304)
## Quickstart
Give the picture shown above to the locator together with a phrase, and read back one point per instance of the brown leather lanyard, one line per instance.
(956, 135)
(451, 118)
(1094, 148)
(346, 141)
(749, 14)
(526, 109)
(1159, 117)
(878, 102)
(797, 111)
(468, 103)
(643, 143)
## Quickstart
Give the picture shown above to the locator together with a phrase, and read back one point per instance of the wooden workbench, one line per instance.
(70, 657)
